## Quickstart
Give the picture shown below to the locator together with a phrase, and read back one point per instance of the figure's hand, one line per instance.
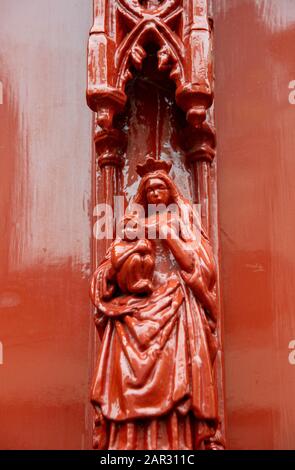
(205, 296)
(104, 286)
(163, 225)
(173, 220)
(152, 227)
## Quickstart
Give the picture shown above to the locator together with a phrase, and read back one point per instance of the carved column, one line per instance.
(199, 145)
(103, 97)
(110, 146)
(195, 94)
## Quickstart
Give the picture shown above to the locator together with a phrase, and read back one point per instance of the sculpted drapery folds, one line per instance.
(156, 315)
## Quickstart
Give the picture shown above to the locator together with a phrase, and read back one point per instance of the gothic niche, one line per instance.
(158, 377)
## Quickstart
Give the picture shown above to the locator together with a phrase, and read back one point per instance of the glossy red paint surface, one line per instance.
(45, 147)
(143, 59)
(254, 64)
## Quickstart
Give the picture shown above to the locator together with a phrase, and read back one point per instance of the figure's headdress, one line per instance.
(152, 165)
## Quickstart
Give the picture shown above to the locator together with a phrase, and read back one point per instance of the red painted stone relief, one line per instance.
(157, 384)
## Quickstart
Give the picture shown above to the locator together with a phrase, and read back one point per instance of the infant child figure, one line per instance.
(133, 260)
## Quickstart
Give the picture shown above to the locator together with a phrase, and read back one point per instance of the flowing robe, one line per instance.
(154, 383)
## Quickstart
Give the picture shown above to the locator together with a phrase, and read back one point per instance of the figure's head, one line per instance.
(157, 191)
(157, 188)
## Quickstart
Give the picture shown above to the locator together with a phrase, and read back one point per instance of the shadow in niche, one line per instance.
(153, 122)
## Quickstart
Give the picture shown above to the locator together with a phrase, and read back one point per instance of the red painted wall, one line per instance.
(45, 149)
(255, 62)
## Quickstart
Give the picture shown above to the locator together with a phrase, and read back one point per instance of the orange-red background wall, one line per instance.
(255, 62)
(45, 230)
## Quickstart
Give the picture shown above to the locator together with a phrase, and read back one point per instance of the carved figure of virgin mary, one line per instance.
(156, 316)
